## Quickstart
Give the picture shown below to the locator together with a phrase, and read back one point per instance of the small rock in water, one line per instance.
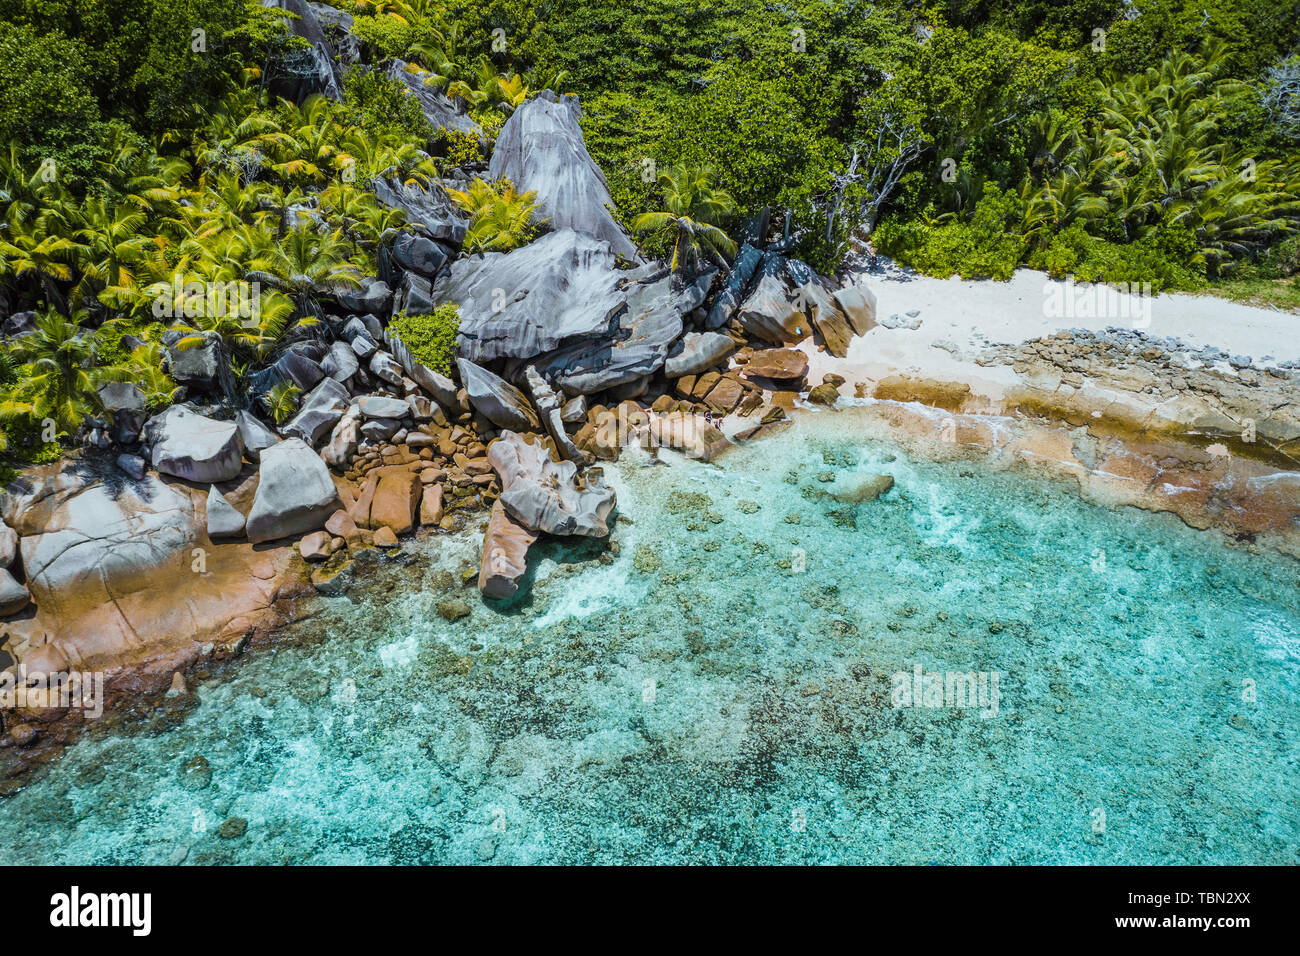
(195, 773)
(24, 735)
(453, 609)
(232, 828)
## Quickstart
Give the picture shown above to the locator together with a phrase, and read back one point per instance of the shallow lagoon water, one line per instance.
(721, 692)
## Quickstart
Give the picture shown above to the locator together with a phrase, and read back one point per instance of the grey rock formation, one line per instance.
(414, 295)
(383, 406)
(372, 295)
(769, 313)
(439, 109)
(545, 495)
(498, 401)
(295, 493)
(13, 596)
(385, 367)
(418, 254)
(637, 344)
(379, 429)
(191, 446)
(340, 363)
(548, 407)
(342, 446)
(223, 520)
(534, 299)
(254, 434)
(125, 407)
(541, 148)
(733, 290)
(431, 209)
(201, 367)
(304, 72)
(696, 352)
(8, 545)
(293, 366)
(322, 407)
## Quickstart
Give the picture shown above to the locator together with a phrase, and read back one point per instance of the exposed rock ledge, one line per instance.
(125, 578)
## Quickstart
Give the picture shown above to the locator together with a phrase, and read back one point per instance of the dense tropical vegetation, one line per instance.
(150, 154)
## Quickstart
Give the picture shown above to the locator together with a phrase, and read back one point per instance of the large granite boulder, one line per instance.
(815, 297)
(253, 434)
(295, 493)
(496, 399)
(505, 554)
(441, 110)
(125, 406)
(224, 520)
(95, 538)
(342, 446)
(340, 363)
(771, 312)
(122, 574)
(544, 495)
(194, 447)
(733, 290)
(696, 352)
(540, 148)
(638, 340)
(305, 71)
(431, 209)
(336, 24)
(202, 364)
(13, 596)
(859, 306)
(293, 366)
(417, 254)
(532, 300)
(370, 296)
(414, 295)
(322, 407)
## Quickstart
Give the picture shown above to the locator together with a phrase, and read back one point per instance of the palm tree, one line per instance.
(57, 379)
(693, 206)
(304, 266)
(500, 217)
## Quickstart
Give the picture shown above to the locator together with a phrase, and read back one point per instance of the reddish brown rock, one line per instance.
(397, 496)
(505, 554)
(779, 365)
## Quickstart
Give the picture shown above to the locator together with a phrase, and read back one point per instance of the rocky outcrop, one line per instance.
(770, 313)
(294, 494)
(496, 399)
(540, 148)
(319, 412)
(193, 447)
(125, 406)
(124, 576)
(201, 365)
(305, 71)
(733, 290)
(442, 111)
(223, 520)
(637, 343)
(253, 434)
(544, 495)
(429, 208)
(520, 304)
(549, 408)
(505, 554)
(697, 352)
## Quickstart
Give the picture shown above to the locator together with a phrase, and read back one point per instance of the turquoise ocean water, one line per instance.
(724, 691)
